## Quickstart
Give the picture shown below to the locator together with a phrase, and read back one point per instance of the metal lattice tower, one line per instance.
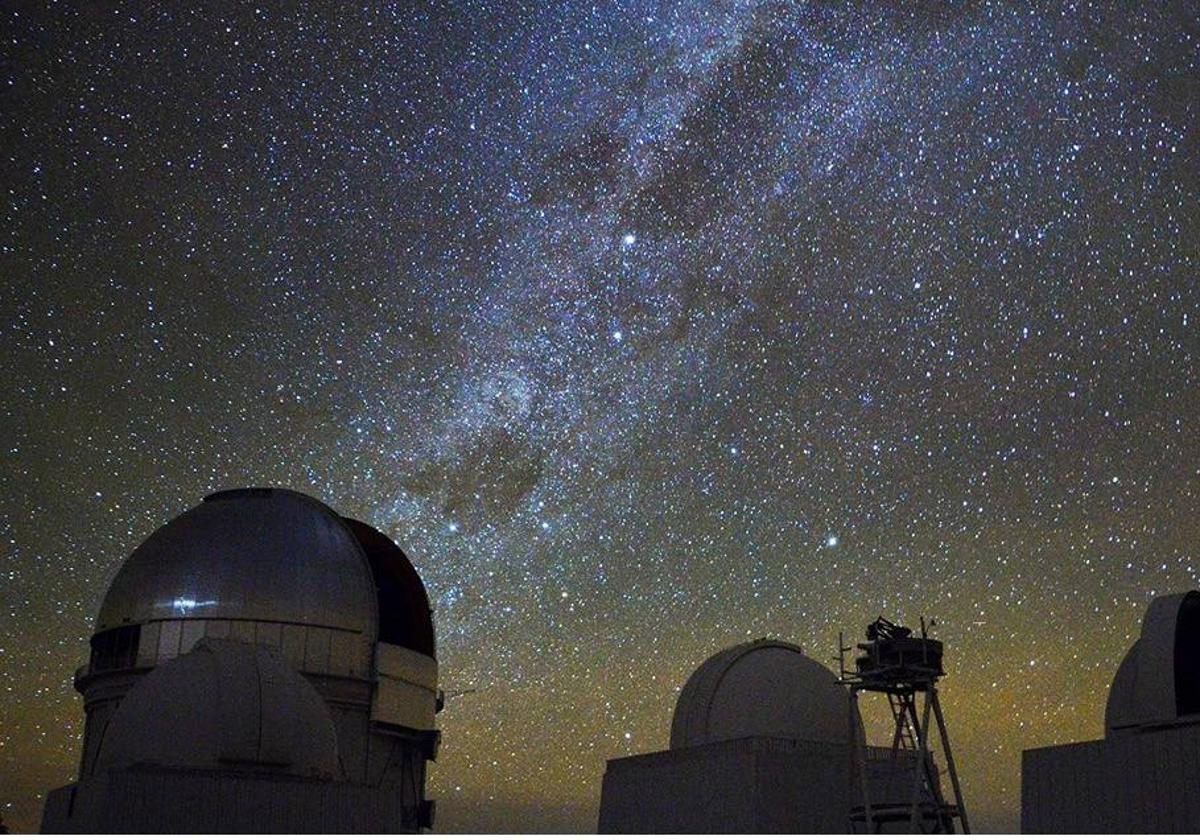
(901, 783)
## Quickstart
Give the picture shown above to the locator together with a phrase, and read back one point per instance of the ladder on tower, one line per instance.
(903, 738)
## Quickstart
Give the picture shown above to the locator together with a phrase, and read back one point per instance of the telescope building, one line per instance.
(765, 740)
(1143, 776)
(260, 664)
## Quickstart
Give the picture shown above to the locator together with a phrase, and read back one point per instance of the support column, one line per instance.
(958, 797)
(919, 766)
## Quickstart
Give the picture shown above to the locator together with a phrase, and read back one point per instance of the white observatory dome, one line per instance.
(1159, 678)
(225, 705)
(226, 646)
(761, 688)
(253, 554)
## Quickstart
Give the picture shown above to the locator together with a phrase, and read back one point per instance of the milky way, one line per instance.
(645, 328)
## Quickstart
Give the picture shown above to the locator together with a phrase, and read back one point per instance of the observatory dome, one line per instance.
(225, 705)
(1159, 678)
(761, 688)
(252, 554)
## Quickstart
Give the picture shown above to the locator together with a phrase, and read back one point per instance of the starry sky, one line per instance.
(645, 328)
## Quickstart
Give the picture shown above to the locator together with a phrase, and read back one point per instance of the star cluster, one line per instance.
(644, 327)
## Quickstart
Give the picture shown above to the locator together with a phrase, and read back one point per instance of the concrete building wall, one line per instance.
(802, 789)
(753, 784)
(1145, 781)
(159, 801)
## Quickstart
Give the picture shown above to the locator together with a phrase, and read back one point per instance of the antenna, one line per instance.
(443, 696)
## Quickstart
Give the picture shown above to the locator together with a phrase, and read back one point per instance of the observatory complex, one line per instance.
(767, 740)
(1143, 777)
(260, 665)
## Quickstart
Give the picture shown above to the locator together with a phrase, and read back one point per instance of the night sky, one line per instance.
(645, 328)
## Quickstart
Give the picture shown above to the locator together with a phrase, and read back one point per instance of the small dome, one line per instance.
(257, 554)
(227, 705)
(1121, 696)
(1159, 678)
(761, 688)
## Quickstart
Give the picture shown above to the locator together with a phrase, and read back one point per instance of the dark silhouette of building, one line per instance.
(1143, 776)
(763, 740)
(759, 743)
(260, 664)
